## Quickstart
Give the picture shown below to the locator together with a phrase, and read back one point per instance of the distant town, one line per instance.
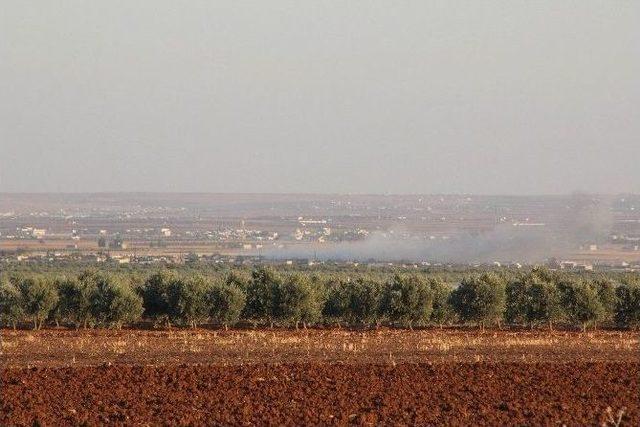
(578, 232)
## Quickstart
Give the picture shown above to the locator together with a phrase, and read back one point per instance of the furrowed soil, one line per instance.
(318, 377)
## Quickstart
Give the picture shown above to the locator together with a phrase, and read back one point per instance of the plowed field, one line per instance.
(318, 377)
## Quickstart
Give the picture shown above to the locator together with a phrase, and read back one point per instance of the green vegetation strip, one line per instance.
(534, 298)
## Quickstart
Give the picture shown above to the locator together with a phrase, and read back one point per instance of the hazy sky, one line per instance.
(320, 96)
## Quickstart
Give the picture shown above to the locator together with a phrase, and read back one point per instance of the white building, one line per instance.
(38, 233)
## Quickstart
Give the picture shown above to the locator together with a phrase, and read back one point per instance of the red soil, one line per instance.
(384, 377)
(302, 394)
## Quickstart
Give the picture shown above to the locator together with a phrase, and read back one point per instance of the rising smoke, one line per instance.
(584, 220)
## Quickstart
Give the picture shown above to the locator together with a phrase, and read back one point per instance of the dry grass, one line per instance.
(249, 346)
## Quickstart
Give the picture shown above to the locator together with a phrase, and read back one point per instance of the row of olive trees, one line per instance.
(533, 299)
(89, 300)
(541, 297)
(266, 297)
(191, 300)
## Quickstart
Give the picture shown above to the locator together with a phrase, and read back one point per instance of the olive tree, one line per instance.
(76, 298)
(113, 303)
(480, 299)
(336, 301)
(407, 300)
(442, 311)
(544, 303)
(238, 280)
(155, 296)
(517, 293)
(297, 300)
(580, 302)
(533, 298)
(262, 295)
(226, 302)
(188, 302)
(606, 290)
(39, 298)
(11, 308)
(628, 305)
(364, 301)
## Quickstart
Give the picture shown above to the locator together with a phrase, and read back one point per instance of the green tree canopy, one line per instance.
(580, 302)
(298, 300)
(480, 299)
(628, 305)
(188, 300)
(407, 300)
(262, 294)
(114, 303)
(39, 298)
(226, 302)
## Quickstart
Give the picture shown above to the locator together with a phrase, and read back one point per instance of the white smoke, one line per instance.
(584, 220)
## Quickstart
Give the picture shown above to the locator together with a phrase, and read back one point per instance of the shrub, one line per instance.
(226, 302)
(407, 300)
(75, 304)
(628, 305)
(38, 298)
(11, 310)
(262, 294)
(297, 300)
(188, 302)
(442, 310)
(480, 299)
(113, 303)
(580, 302)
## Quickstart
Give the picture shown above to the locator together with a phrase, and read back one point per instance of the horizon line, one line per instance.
(286, 193)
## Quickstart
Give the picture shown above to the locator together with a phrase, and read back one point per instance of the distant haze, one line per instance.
(320, 96)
